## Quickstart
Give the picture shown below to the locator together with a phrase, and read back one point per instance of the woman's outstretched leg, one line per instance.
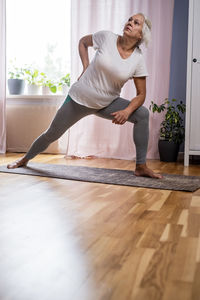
(67, 115)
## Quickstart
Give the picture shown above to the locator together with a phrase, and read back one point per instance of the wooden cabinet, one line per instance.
(192, 134)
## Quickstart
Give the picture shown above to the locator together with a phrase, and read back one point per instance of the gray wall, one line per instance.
(178, 65)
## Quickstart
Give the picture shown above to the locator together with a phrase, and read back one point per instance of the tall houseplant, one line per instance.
(172, 131)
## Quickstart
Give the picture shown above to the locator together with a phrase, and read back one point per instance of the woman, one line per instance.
(118, 59)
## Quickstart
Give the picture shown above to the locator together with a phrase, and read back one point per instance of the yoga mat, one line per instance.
(107, 176)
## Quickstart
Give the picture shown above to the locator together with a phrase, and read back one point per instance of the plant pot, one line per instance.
(46, 90)
(16, 86)
(168, 150)
(33, 89)
(65, 89)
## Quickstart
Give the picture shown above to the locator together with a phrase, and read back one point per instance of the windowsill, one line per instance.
(34, 96)
(50, 100)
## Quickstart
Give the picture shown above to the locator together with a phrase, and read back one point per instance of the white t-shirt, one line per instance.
(102, 81)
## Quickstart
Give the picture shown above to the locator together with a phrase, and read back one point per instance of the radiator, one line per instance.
(27, 117)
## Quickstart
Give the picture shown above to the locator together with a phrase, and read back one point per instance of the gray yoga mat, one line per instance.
(107, 176)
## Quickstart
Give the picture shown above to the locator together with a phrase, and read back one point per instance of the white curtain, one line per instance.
(99, 137)
(2, 76)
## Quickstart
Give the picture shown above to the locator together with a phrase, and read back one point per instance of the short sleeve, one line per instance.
(98, 39)
(141, 69)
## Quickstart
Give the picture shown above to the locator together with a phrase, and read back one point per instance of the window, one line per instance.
(38, 37)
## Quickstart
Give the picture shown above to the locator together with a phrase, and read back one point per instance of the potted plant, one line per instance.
(16, 82)
(64, 83)
(32, 76)
(48, 86)
(172, 131)
(51, 85)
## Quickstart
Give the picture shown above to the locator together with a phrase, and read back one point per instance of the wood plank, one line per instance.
(195, 285)
(178, 290)
(184, 261)
(155, 278)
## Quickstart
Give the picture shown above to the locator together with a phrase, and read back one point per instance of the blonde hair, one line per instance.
(146, 31)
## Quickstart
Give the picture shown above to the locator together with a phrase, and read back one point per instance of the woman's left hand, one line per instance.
(120, 117)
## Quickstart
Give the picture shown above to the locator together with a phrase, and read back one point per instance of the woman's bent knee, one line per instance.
(144, 113)
(141, 113)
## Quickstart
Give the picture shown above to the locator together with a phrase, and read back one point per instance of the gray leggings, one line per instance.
(70, 112)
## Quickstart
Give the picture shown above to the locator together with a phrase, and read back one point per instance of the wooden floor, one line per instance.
(63, 240)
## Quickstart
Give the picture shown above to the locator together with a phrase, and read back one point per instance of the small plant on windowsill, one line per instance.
(16, 82)
(64, 83)
(172, 131)
(32, 77)
(48, 86)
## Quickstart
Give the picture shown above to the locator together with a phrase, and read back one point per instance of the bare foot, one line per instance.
(143, 170)
(18, 163)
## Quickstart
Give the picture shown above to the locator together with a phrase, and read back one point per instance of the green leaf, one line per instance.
(53, 89)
